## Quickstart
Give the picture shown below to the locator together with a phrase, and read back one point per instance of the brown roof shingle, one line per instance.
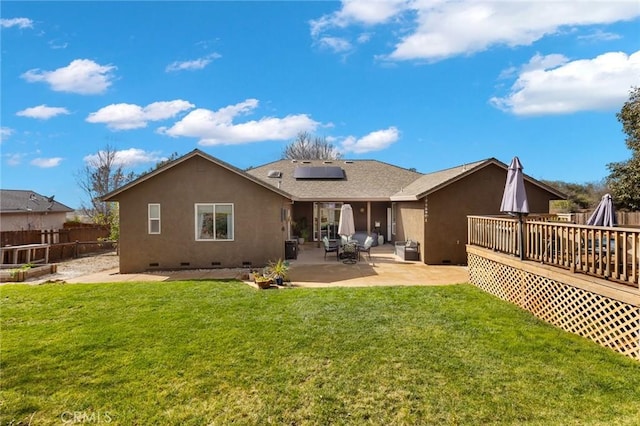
(370, 180)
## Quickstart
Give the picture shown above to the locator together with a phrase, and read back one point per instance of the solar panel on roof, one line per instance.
(318, 172)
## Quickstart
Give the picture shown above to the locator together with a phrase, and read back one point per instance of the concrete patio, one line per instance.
(311, 269)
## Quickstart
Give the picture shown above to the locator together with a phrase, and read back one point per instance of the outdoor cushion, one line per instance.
(411, 244)
(368, 242)
(328, 247)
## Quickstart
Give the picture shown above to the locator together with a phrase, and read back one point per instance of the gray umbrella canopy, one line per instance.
(514, 198)
(346, 225)
(604, 214)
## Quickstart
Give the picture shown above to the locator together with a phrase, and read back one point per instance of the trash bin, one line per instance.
(291, 249)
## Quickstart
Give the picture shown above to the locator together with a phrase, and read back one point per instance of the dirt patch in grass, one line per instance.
(81, 266)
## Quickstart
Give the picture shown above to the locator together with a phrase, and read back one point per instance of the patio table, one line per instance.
(349, 252)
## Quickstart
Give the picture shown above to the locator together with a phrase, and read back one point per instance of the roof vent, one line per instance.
(328, 162)
(348, 162)
(274, 174)
(294, 161)
(306, 162)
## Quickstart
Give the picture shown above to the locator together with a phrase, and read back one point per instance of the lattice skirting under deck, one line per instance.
(608, 322)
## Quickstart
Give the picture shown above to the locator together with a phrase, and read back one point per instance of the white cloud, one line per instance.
(127, 158)
(366, 12)
(42, 112)
(16, 22)
(374, 141)
(441, 28)
(218, 127)
(82, 76)
(14, 159)
(5, 133)
(56, 44)
(46, 163)
(542, 62)
(130, 116)
(196, 64)
(363, 12)
(599, 35)
(559, 86)
(363, 38)
(456, 28)
(335, 44)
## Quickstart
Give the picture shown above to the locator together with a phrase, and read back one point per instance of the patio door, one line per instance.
(326, 217)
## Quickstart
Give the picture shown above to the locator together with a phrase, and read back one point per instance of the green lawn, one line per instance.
(204, 352)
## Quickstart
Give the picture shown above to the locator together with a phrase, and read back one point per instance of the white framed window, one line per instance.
(154, 218)
(214, 222)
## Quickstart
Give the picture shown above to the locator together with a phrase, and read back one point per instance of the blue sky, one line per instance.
(421, 84)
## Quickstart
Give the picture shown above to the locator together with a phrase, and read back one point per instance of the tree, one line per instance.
(308, 147)
(579, 196)
(624, 177)
(102, 174)
(174, 156)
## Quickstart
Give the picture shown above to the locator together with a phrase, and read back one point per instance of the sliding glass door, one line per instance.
(326, 217)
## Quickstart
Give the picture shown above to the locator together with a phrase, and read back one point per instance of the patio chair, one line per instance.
(366, 247)
(407, 250)
(330, 247)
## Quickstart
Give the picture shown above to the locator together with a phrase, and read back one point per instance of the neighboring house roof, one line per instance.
(432, 182)
(22, 201)
(196, 152)
(369, 180)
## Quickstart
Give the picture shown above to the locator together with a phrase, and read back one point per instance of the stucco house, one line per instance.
(200, 212)
(319, 188)
(434, 208)
(23, 210)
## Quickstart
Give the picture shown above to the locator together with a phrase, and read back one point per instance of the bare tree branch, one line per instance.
(101, 175)
(308, 147)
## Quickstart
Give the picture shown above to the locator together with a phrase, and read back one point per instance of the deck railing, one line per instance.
(609, 253)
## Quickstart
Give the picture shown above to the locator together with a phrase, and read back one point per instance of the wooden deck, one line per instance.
(607, 253)
(583, 279)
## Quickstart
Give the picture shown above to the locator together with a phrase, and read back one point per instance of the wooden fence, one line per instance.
(623, 218)
(53, 236)
(608, 253)
(64, 243)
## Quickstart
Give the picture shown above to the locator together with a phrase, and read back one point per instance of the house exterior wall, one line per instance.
(379, 214)
(29, 221)
(359, 217)
(259, 231)
(477, 194)
(410, 222)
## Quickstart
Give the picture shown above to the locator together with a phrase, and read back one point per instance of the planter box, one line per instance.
(13, 273)
(264, 284)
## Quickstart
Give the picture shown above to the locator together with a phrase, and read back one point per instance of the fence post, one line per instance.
(75, 249)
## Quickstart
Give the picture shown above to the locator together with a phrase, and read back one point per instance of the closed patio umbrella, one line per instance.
(514, 198)
(346, 224)
(347, 228)
(604, 214)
